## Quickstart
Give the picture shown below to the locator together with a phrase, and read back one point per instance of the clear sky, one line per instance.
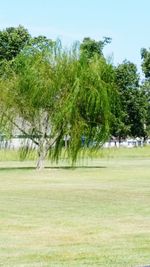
(127, 22)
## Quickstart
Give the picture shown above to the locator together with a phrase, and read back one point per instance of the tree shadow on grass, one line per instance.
(52, 167)
(16, 168)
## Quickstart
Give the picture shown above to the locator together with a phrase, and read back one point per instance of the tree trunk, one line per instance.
(42, 152)
(40, 161)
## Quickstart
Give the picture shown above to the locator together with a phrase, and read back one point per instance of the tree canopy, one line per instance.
(145, 55)
(132, 101)
(12, 41)
(51, 94)
(54, 93)
(89, 47)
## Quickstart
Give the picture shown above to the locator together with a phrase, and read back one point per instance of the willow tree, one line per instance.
(55, 93)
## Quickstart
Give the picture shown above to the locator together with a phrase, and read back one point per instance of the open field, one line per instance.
(95, 215)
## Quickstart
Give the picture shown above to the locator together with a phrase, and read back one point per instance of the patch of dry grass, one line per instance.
(96, 216)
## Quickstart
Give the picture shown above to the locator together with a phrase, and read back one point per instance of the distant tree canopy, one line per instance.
(132, 101)
(12, 41)
(89, 47)
(145, 55)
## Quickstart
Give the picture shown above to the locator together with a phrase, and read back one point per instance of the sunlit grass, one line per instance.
(96, 216)
(136, 152)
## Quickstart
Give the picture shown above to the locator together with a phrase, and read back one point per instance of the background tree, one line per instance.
(12, 41)
(89, 47)
(145, 55)
(133, 102)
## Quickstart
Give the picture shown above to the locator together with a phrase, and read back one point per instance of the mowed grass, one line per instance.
(95, 215)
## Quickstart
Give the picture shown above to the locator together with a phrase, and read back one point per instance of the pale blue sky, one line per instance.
(127, 22)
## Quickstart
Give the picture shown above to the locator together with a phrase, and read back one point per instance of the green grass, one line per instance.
(97, 216)
(137, 152)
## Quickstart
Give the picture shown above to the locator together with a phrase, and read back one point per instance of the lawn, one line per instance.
(97, 214)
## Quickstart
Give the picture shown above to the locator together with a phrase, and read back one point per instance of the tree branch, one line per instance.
(20, 129)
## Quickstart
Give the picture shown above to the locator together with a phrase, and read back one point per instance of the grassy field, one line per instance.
(95, 215)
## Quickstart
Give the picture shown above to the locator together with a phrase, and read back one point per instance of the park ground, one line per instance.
(95, 214)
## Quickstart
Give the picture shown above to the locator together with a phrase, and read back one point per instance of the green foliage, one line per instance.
(133, 110)
(12, 41)
(127, 76)
(48, 92)
(86, 107)
(53, 93)
(145, 55)
(145, 90)
(89, 47)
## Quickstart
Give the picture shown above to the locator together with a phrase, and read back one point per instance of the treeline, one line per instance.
(48, 92)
